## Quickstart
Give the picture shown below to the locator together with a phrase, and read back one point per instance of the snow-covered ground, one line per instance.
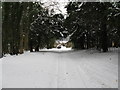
(62, 49)
(69, 69)
(0, 74)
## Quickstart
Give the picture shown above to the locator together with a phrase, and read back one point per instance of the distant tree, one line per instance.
(46, 29)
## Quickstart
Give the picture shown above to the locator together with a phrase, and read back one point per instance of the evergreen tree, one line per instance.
(89, 23)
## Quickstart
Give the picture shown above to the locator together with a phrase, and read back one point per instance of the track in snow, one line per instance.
(72, 69)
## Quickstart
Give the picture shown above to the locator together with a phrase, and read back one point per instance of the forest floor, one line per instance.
(57, 68)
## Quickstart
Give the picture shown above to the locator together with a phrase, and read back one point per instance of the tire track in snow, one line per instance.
(94, 76)
(75, 79)
(61, 80)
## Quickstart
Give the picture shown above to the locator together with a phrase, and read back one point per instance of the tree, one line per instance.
(89, 22)
(17, 39)
(0, 30)
(10, 28)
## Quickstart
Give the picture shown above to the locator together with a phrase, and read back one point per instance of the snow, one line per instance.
(69, 69)
(63, 48)
(0, 74)
(62, 41)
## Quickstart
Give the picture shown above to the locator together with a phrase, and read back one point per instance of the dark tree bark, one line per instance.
(37, 48)
(82, 42)
(104, 37)
(31, 46)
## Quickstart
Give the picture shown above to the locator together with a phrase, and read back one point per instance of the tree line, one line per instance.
(94, 24)
(28, 26)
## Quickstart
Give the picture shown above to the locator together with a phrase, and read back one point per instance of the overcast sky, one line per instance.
(57, 5)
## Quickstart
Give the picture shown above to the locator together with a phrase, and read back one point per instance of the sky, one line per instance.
(57, 5)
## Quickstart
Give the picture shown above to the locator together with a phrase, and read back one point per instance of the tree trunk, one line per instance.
(37, 48)
(22, 27)
(82, 42)
(104, 37)
(31, 46)
(88, 40)
(21, 36)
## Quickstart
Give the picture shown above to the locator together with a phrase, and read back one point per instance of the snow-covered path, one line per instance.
(73, 69)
